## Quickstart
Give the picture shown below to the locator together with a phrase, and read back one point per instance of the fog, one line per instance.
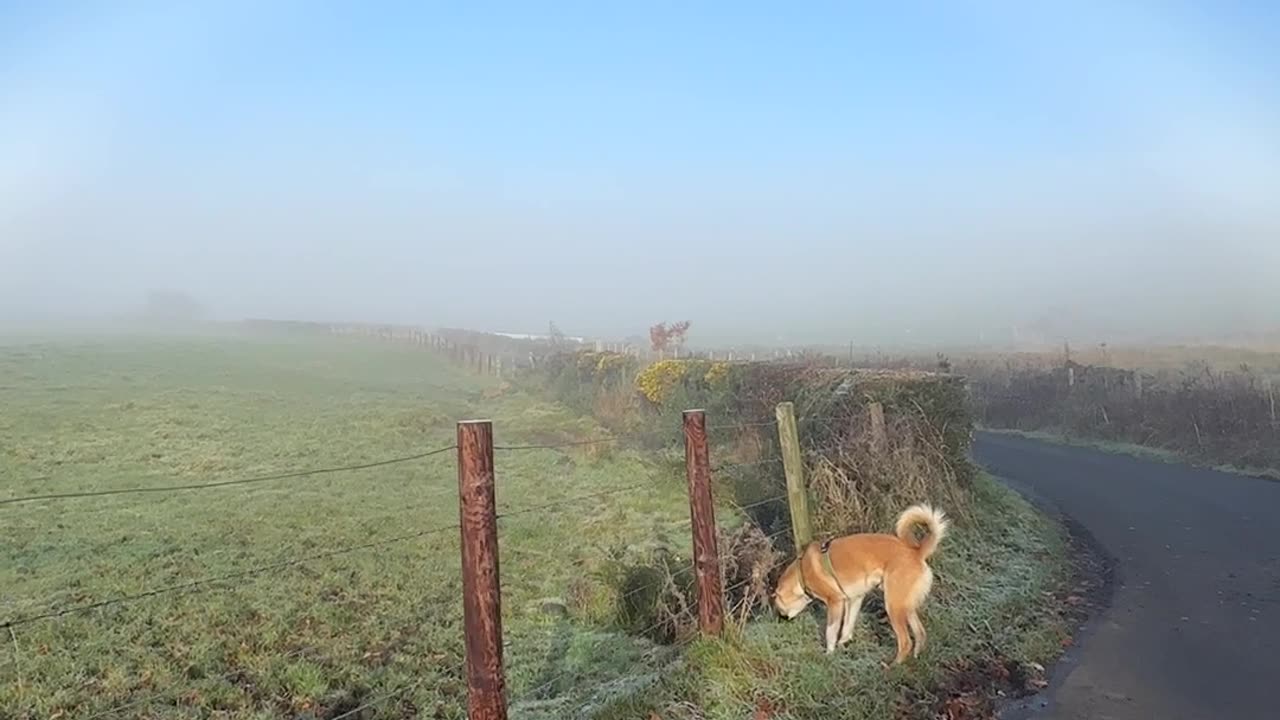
(986, 174)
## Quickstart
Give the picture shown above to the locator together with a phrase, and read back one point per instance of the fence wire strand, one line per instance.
(379, 699)
(743, 426)
(758, 503)
(202, 582)
(225, 483)
(749, 464)
(556, 446)
(570, 500)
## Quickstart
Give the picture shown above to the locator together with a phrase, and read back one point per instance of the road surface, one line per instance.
(1192, 627)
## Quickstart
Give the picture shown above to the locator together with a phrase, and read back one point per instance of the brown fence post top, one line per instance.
(706, 554)
(481, 589)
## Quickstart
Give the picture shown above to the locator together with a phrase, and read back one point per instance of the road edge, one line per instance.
(1089, 592)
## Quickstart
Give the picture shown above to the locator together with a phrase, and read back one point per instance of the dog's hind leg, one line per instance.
(919, 591)
(898, 619)
(850, 619)
(917, 629)
(835, 619)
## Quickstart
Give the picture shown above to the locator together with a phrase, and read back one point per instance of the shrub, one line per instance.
(1218, 417)
(856, 485)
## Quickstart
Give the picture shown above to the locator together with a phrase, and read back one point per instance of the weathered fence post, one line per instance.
(793, 466)
(879, 436)
(481, 592)
(706, 555)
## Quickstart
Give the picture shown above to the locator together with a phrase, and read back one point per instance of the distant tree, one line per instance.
(664, 337)
(554, 336)
(172, 306)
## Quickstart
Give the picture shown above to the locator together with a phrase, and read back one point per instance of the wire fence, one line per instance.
(476, 470)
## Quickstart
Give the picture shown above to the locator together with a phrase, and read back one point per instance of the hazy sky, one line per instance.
(825, 172)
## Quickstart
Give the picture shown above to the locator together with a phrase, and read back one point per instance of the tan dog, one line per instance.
(840, 572)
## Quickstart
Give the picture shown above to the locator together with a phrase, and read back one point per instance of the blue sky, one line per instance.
(942, 169)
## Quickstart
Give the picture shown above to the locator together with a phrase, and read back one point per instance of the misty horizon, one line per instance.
(972, 175)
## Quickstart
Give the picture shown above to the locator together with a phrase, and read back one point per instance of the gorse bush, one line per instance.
(858, 482)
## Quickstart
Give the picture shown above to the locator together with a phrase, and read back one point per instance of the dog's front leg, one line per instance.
(835, 619)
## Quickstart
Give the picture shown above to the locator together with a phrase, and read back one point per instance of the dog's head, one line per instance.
(789, 597)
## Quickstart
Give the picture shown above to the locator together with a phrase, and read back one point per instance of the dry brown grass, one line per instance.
(860, 487)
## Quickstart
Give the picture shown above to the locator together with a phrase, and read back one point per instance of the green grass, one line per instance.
(1131, 449)
(331, 634)
(994, 576)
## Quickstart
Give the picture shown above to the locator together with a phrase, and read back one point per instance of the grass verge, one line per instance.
(994, 621)
(1133, 450)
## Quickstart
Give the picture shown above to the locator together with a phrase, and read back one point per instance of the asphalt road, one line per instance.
(1191, 628)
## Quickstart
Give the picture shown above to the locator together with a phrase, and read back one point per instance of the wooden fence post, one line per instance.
(481, 591)
(793, 465)
(1271, 397)
(706, 555)
(879, 436)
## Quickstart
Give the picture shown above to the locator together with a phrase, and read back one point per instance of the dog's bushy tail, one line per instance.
(934, 521)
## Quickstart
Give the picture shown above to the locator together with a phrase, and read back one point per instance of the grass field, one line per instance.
(381, 626)
(320, 638)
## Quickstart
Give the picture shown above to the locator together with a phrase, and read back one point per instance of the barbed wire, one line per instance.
(556, 446)
(213, 580)
(381, 698)
(750, 463)
(26, 603)
(568, 500)
(742, 426)
(758, 503)
(225, 483)
(620, 438)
